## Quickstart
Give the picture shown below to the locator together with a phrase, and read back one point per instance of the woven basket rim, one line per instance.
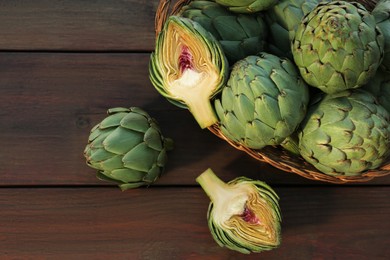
(275, 155)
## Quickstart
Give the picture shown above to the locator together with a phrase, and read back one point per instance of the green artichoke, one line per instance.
(127, 148)
(381, 13)
(345, 134)
(263, 102)
(240, 35)
(283, 19)
(243, 214)
(379, 86)
(188, 67)
(338, 46)
(247, 6)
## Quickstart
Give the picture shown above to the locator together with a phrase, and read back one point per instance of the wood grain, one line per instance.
(50, 101)
(99, 25)
(170, 223)
(62, 65)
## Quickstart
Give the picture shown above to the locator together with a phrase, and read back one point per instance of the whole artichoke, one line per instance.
(381, 13)
(345, 134)
(240, 35)
(338, 46)
(283, 19)
(243, 214)
(127, 148)
(263, 102)
(379, 86)
(247, 6)
(188, 67)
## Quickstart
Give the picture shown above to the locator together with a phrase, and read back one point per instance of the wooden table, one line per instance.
(62, 65)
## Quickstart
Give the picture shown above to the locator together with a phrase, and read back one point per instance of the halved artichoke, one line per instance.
(243, 214)
(188, 67)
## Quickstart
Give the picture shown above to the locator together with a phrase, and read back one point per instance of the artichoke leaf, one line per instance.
(126, 175)
(139, 158)
(247, 6)
(120, 140)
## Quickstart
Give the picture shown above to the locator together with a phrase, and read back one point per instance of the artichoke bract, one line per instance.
(127, 148)
(247, 6)
(240, 35)
(263, 101)
(283, 19)
(381, 13)
(243, 214)
(337, 46)
(188, 67)
(345, 134)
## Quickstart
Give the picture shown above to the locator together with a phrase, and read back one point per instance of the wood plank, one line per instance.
(77, 25)
(170, 223)
(98, 25)
(49, 103)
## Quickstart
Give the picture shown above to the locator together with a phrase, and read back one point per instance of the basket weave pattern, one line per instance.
(275, 155)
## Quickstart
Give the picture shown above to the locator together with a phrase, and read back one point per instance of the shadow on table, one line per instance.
(307, 206)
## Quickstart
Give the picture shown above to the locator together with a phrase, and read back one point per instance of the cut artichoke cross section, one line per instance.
(188, 67)
(243, 214)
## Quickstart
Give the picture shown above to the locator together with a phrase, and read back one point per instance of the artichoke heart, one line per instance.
(127, 148)
(188, 67)
(243, 214)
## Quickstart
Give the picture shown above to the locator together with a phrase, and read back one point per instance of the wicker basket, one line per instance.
(275, 155)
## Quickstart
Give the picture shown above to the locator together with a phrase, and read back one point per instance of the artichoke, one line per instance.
(188, 67)
(283, 19)
(240, 35)
(263, 102)
(243, 214)
(246, 6)
(381, 13)
(127, 148)
(337, 46)
(345, 134)
(379, 86)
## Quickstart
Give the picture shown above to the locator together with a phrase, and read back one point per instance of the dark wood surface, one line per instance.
(62, 65)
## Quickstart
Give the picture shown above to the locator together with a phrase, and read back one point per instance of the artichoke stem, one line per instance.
(203, 112)
(214, 187)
